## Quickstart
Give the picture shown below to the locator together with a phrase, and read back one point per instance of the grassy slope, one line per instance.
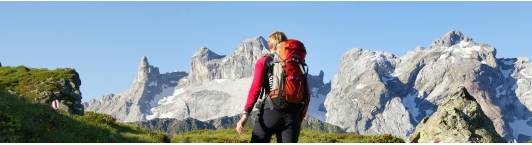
(22, 121)
(30, 82)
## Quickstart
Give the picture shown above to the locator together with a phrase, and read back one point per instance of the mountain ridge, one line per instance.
(410, 87)
(373, 91)
(199, 94)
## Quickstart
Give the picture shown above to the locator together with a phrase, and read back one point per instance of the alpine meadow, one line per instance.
(187, 72)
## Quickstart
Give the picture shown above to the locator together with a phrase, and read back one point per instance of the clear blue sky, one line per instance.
(105, 41)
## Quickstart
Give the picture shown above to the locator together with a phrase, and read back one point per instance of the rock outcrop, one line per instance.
(45, 86)
(459, 119)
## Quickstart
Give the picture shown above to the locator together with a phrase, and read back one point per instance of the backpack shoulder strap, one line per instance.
(265, 89)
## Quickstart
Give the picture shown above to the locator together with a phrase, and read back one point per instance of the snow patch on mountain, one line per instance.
(359, 86)
(525, 75)
(170, 98)
(220, 80)
(167, 91)
(465, 51)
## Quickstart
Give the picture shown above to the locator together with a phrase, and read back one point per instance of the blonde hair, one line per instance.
(275, 38)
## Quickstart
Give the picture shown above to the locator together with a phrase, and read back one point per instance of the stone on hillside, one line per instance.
(459, 119)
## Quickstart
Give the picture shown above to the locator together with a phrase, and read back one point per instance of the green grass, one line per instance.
(24, 122)
(307, 136)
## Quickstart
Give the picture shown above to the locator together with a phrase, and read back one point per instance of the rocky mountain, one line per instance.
(207, 65)
(459, 119)
(374, 92)
(215, 87)
(147, 89)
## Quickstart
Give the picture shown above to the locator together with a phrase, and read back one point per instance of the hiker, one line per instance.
(283, 121)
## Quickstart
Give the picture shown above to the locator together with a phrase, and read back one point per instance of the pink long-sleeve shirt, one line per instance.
(256, 85)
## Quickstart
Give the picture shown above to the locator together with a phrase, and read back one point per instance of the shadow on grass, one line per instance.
(24, 122)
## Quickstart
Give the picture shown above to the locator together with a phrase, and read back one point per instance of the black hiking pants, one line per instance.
(285, 125)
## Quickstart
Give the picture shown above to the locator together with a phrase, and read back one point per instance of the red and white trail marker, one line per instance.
(55, 104)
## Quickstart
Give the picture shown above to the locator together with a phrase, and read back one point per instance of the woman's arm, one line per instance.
(256, 85)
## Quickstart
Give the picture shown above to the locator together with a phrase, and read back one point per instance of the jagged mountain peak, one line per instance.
(455, 46)
(145, 92)
(207, 66)
(366, 52)
(202, 50)
(453, 37)
(146, 71)
(252, 46)
(204, 54)
(144, 58)
(144, 62)
(256, 38)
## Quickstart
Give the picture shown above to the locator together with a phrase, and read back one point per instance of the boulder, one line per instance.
(459, 119)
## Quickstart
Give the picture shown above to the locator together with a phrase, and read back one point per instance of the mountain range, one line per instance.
(374, 92)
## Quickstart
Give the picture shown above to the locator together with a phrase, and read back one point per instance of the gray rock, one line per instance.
(207, 65)
(459, 119)
(451, 38)
(134, 103)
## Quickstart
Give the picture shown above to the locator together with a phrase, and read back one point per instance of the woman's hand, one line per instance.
(240, 124)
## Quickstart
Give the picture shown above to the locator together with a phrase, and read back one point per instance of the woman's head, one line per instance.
(275, 38)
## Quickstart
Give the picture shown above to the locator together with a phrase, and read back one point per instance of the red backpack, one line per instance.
(287, 72)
